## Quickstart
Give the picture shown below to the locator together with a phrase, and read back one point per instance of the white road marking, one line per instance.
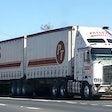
(42, 100)
(1, 104)
(70, 102)
(33, 108)
(9, 98)
(94, 104)
(108, 105)
(59, 101)
(83, 103)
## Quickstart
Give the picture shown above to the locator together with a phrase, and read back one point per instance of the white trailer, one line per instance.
(66, 62)
(12, 66)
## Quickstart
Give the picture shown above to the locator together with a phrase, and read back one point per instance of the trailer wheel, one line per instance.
(19, 88)
(18, 91)
(55, 89)
(27, 89)
(13, 88)
(86, 91)
(63, 89)
(12, 91)
(24, 91)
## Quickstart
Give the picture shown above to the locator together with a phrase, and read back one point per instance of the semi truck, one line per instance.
(64, 62)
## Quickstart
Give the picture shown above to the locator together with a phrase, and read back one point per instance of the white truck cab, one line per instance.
(93, 61)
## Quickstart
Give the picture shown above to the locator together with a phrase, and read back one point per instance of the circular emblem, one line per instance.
(60, 52)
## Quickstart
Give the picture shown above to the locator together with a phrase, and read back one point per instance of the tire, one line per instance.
(86, 91)
(55, 89)
(27, 89)
(19, 88)
(24, 89)
(13, 88)
(63, 90)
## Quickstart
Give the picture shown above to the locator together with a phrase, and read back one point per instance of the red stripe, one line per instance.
(10, 64)
(42, 62)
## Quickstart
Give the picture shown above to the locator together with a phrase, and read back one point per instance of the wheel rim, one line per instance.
(54, 91)
(62, 91)
(12, 90)
(86, 91)
(23, 91)
(18, 90)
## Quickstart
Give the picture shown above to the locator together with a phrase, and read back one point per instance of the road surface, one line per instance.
(8, 104)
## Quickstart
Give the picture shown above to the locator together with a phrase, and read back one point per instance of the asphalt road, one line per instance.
(8, 104)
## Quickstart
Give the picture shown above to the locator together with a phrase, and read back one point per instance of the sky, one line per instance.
(24, 17)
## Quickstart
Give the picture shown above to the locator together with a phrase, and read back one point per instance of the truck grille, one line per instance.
(107, 74)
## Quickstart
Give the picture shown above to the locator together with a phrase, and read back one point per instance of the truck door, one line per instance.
(79, 65)
(86, 66)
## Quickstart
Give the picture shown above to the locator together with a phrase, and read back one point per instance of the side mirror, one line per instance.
(86, 56)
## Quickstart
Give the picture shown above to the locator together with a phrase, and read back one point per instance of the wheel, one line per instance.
(55, 89)
(13, 88)
(19, 88)
(86, 91)
(24, 89)
(12, 91)
(27, 89)
(63, 90)
(18, 91)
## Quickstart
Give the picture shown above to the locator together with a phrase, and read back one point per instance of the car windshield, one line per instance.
(101, 53)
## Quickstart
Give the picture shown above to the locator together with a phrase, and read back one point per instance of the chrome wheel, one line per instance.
(86, 91)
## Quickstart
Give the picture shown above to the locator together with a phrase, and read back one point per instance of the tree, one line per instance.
(46, 27)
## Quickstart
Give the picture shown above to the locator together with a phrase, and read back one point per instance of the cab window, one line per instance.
(96, 40)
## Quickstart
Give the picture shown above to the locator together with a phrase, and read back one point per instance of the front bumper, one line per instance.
(102, 90)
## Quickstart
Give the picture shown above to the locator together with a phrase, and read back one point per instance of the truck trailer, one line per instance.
(67, 61)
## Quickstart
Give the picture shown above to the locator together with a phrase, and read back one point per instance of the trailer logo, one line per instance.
(60, 52)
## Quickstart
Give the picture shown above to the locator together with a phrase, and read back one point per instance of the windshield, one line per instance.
(101, 53)
(109, 40)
